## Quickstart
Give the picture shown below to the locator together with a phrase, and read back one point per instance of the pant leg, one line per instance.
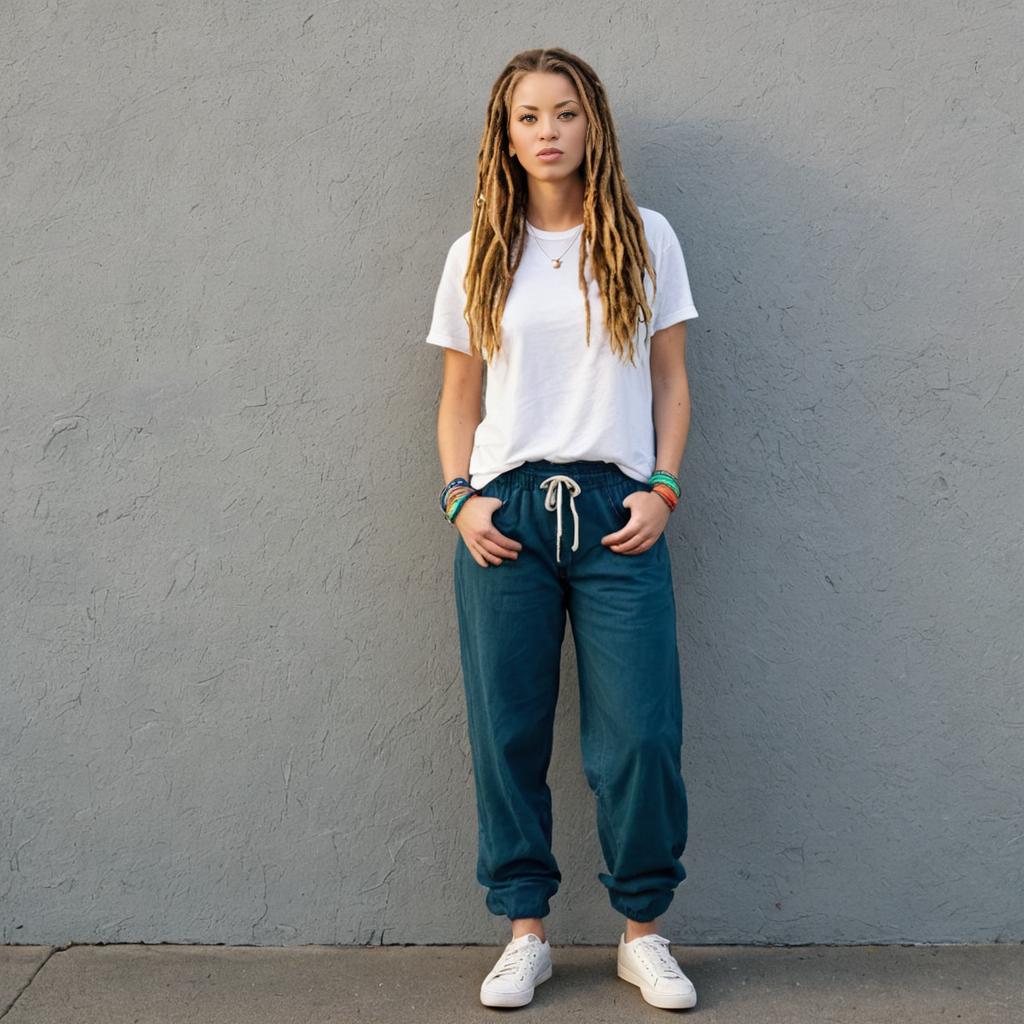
(511, 626)
(623, 614)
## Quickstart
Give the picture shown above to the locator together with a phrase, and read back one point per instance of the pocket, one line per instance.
(495, 488)
(616, 494)
(621, 515)
(499, 512)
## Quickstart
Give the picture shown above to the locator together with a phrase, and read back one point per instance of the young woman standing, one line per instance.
(575, 300)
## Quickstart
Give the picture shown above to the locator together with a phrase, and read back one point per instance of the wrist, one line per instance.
(666, 486)
(454, 495)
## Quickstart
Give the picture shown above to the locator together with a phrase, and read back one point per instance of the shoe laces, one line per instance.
(658, 947)
(515, 958)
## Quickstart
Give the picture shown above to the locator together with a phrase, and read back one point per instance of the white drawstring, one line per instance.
(551, 502)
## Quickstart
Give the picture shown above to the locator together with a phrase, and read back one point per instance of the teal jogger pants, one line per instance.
(511, 626)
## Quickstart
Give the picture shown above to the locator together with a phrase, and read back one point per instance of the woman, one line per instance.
(572, 483)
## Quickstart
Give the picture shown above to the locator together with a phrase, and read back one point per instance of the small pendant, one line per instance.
(556, 263)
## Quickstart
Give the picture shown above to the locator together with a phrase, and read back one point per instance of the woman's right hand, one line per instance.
(486, 543)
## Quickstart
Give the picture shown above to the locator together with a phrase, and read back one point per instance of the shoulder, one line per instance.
(456, 259)
(459, 249)
(656, 227)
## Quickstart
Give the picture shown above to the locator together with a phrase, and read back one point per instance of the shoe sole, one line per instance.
(514, 998)
(664, 1001)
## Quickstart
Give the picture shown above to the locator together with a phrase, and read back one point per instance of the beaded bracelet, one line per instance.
(456, 481)
(666, 486)
(455, 494)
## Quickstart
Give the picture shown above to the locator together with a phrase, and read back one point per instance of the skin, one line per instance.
(546, 112)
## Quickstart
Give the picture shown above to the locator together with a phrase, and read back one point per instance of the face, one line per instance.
(547, 114)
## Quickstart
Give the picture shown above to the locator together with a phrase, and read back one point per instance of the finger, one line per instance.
(493, 543)
(621, 536)
(506, 543)
(633, 545)
(484, 557)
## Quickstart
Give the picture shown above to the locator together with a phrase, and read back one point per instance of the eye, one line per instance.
(571, 113)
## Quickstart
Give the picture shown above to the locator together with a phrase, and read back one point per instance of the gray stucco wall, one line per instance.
(231, 705)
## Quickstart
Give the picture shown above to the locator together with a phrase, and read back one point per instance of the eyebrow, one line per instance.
(557, 105)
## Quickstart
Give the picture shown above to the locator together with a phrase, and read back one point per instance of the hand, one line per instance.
(487, 544)
(647, 519)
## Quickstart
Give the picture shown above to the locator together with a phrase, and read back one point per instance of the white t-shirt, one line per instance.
(549, 396)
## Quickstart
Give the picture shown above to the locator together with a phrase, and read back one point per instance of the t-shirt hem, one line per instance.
(683, 313)
(445, 342)
(480, 480)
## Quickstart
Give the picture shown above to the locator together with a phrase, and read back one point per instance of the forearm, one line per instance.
(671, 411)
(457, 419)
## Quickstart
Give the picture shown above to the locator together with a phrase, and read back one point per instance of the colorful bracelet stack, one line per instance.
(666, 486)
(455, 494)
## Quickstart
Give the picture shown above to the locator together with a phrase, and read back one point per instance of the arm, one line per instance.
(458, 416)
(671, 396)
(458, 413)
(671, 410)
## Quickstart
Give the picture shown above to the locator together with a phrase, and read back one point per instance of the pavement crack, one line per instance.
(4, 1010)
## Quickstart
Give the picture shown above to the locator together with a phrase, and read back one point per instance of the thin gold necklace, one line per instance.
(556, 261)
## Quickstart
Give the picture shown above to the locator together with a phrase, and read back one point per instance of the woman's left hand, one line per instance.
(647, 519)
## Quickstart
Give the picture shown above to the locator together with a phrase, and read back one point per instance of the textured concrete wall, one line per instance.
(231, 705)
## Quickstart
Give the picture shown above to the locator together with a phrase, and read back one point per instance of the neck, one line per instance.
(555, 205)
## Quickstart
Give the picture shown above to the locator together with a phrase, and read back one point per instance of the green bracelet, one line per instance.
(662, 476)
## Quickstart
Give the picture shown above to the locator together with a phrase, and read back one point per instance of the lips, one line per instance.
(549, 152)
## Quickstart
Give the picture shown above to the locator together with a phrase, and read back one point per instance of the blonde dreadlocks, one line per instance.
(613, 230)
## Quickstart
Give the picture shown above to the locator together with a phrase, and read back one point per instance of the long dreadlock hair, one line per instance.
(613, 232)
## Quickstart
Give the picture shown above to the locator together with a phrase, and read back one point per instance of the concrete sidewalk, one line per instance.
(133, 984)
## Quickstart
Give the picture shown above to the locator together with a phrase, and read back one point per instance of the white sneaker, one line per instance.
(647, 963)
(524, 964)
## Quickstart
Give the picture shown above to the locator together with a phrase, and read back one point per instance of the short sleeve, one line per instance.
(672, 301)
(448, 327)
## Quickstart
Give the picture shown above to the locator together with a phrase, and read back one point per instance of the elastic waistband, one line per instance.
(531, 473)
